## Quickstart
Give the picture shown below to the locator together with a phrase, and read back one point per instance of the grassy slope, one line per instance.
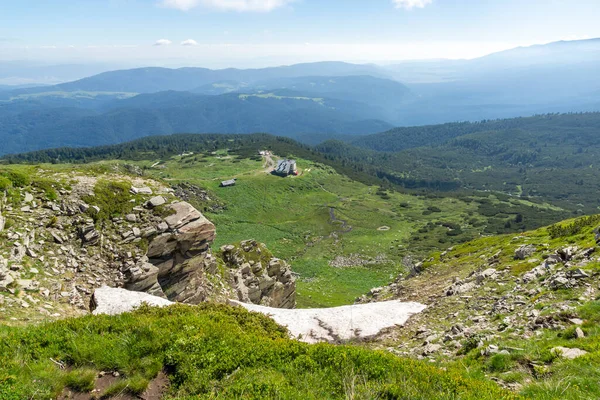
(292, 216)
(212, 351)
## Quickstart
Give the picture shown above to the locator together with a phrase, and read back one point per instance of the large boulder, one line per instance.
(114, 301)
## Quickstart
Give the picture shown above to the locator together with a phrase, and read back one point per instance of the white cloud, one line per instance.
(189, 42)
(410, 4)
(227, 5)
(162, 42)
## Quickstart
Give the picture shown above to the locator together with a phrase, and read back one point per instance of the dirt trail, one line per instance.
(344, 228)
(269, 163)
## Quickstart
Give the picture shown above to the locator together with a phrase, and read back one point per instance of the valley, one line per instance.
(297, 200)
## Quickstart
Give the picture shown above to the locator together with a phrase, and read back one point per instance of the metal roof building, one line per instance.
(230, 182)
(285, 167)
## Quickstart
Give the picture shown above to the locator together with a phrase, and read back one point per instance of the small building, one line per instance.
(228, 183)
(286, 167)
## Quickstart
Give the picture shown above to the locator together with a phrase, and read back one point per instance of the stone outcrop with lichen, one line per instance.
(258, 277)
(55, 250)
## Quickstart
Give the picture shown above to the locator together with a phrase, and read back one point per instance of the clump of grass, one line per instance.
(81, 379)
(135, 385)
(5, 183)
(48, 187)
(500, 363)
(113, 199)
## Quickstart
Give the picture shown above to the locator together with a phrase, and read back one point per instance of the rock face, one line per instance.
(338, 324)
(179, 265)
(177, 258)
(113, 301)
(258, 277)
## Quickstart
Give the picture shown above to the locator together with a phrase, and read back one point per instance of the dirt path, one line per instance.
(269, 163)
(344, 228)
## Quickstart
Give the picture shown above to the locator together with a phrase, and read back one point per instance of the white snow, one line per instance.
(310, 325)
(339, 323)
(114, 301)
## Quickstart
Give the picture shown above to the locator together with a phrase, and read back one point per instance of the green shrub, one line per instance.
(5, 183)
(47, 186)
(214, 351)
(18, 179)
(113, 199)
(500, 363)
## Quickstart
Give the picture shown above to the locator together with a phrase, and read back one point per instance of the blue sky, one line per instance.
(267, 32)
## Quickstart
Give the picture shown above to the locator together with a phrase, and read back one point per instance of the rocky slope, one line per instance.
(512, 306)
(65, 234)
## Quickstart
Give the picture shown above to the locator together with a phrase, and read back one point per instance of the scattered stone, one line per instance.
(156, 201)
(141, 190)
(524, 251)
(431, 349)
(568, 353)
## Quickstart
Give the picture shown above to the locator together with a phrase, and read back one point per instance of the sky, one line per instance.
(257, 33)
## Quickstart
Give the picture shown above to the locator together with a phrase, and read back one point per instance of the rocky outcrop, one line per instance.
(178, 257)
(258, 277)
(179, 265)
(56, 252)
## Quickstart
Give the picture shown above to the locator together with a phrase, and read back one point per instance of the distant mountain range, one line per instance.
(312, 102)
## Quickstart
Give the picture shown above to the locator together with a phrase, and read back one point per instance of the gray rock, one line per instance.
(28, 198)
(131, 218)
(535, 273)
(566, 254)
(568, 353)
(579, 333)
(524, 251)
(2, 223)
(141, 190)
(162, 227)
(57, 238)
(156, 201)
(578, 274)
(431, 349)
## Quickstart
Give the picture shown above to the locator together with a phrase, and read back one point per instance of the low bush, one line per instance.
(213, 351)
